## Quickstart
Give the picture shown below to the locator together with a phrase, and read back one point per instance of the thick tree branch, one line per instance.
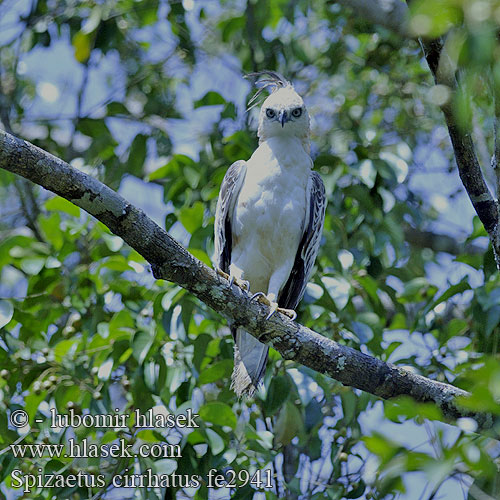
(172, 262)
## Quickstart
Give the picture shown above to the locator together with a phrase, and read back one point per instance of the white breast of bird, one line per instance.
(266, 228)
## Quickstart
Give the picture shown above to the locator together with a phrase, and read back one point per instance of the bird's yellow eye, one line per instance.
(297, 112)
(270, 113)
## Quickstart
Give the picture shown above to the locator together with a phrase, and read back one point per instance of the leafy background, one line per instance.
(148, 96)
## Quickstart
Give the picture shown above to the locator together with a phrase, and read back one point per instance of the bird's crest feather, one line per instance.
(273, 82)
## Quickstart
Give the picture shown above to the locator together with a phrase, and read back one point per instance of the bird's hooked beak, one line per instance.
(282, 117)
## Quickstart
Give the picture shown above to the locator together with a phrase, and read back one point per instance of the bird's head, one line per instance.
(283, 113)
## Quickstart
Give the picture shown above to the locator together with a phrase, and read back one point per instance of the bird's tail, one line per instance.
(250, 358)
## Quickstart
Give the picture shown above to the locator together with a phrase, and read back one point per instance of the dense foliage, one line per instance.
(154, 90)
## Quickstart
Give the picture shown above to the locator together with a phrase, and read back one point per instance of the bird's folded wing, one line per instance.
(228, 195)
(306, 254)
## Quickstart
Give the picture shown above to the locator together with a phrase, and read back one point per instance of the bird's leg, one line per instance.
(243, 284)
(270, 301)
(276, 281)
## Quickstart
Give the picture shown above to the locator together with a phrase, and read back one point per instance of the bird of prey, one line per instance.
(269, 220)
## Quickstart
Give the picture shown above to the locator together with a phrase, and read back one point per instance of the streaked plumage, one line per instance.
(269, 219)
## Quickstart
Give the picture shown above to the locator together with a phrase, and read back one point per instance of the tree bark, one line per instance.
(170, 261)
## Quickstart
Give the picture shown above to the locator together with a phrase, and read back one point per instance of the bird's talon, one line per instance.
(233, 280)
(257, 295)
(264, 299)
(220, 272)
(288, 312)
(243, 284)
(270, 314)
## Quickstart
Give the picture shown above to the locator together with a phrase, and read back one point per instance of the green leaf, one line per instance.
(314, 415)
(381, 446)
(93, 128)
(52, 230)
(62, 205)
(349, 401)
(31, 403)
(478, 230)
(173, 168)
(218, 413)
(339, 290)
(415, 288)
(114, 243)
(398, 322)
(141, 345)
(215, 441)
(116, 108)
(492, 319)
(63, 348)
(276, 12)
(370, 286)
(229, 111)
(475, 261)
(201, 255)
(192, 217)
(82, 46)
(405, 406)
(289, 424)
(148, 435)
(453, 290)
(357, 490)
(6, 312)
(278, 393)
(433, 19)
(367, 173)
(218, 371)
(210, 99)
(462, 108)
(165, 466)
(32, 265)
(121, 319)
(229, 27)
(200, 347)
(456, 327)
(137, 155)
(192, 176)
(362, 331)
